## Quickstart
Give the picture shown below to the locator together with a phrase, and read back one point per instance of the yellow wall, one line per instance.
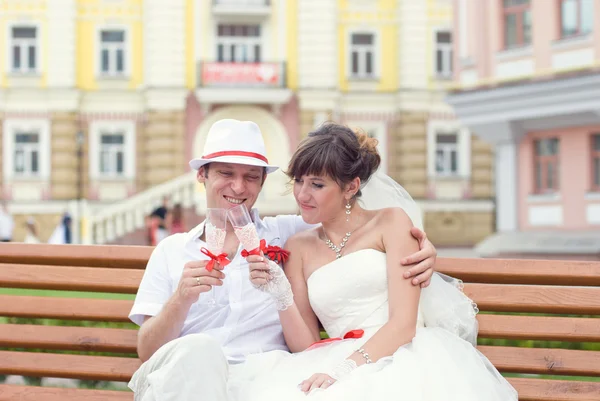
(93, 14)
(14, 12)
(292, 44)
(190, 67)
(381, 20)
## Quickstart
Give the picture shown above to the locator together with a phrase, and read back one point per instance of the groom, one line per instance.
(192, 340)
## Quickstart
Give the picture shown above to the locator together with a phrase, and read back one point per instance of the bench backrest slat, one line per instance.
(115, 256)
(69, 338)
(547, 328)
(535, 299)
(70, 278)
(104, 310)
(518, 271)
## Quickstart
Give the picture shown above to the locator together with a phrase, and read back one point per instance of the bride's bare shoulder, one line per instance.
(303, 239)
(395, 216)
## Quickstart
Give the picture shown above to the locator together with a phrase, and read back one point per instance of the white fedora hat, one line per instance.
(233, 141)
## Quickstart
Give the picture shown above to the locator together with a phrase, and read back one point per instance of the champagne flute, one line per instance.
(215, 230)
(244, 227)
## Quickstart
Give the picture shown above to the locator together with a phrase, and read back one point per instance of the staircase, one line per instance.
(124, 222)
(127, 217)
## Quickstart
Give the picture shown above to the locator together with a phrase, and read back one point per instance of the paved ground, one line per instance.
(457, 253)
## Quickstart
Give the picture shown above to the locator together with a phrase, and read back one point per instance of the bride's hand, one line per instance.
(318, 380)
(267, 276)
(259, 270)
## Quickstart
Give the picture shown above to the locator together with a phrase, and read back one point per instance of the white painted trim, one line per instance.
(376, 32)
(463, 144)
(546, 216)
(456, 206)
(543, 198)
(129, 129)
(528, 101)
(593, 213)
(573, 42)
(243, 95)
(44, 207)
(592, 196)
(381, 134)
(283, 31)
(41, 126)
(38, 46)
(128, 49)
(514, 53)
(506, 187)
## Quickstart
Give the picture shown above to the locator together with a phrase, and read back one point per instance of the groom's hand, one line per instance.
(424, 260)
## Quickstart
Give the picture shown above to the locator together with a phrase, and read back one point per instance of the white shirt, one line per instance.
(7, 225)
(244, 319)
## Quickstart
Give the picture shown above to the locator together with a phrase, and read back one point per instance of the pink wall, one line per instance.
(597, 28)
(289, 117)
(193, 118)
(485, 34)
(574, 175)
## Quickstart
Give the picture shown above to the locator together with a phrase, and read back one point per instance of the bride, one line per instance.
(388, 340)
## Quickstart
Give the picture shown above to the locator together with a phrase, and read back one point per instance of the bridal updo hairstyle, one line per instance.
(338, 152)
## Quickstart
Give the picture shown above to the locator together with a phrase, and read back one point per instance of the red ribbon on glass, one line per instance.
(220, 259)
(275, 253)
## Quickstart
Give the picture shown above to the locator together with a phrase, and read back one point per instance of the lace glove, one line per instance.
(342, 369)
(278, 286)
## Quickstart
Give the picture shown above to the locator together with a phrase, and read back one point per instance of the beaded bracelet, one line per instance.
(364, 354)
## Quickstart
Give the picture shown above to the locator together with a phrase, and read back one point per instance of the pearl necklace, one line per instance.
(336, 249)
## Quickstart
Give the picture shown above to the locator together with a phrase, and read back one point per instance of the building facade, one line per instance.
(526, 82)
(106, 100)
(242, 69)
(92, 101)
(384, 66)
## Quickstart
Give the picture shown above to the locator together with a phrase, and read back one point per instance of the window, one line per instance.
(446, 153)
(112, 154)
(576, 17)
(238, 43)
(112, 52)
(27, 154)
(112, 150)
(24, 49)
(448, 150)
(546, 165)
(517, 23)
(596, 162)
(443, 54)
(25, 149)
(362, 55)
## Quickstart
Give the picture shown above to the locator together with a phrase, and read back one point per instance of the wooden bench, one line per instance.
(503, 287)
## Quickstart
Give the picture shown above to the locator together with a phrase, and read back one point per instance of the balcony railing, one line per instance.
(241, 75)
(239, 8)
(242, 2)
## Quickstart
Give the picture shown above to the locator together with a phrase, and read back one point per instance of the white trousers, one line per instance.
(190, 368)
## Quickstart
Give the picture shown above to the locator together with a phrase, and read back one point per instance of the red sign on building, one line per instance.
(241, 74)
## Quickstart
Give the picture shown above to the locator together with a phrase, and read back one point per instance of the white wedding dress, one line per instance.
(351, 293)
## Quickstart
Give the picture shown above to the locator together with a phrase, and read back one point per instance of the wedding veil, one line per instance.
(442, 304)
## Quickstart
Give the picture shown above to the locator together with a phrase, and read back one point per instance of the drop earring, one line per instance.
(348, 207)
